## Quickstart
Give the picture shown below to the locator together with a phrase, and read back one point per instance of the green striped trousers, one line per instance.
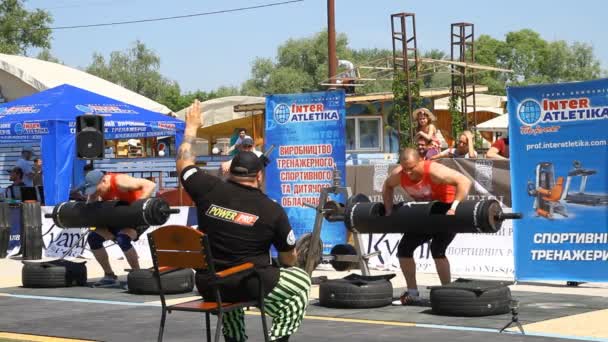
(286, 304)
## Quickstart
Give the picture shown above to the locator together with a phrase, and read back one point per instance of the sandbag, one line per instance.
(177, 281)
(56, 273)
(471, 298)
(357, 292)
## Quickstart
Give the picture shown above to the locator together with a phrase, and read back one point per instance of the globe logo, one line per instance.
(18, 128)
(282, 113)
(84, 109)
(529, 112)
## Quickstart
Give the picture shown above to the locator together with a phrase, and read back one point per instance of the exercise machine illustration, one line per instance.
(551, 194)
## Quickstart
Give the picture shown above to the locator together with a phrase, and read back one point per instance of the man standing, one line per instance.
(112, 187)
(246, 145)
(424, 180)
(37, 171)
(245, 237)
(13, 191)
(26, 165)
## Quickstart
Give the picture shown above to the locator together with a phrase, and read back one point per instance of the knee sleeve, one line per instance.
(124, 242)
(95, 240)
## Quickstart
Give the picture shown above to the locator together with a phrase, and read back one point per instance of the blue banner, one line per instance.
(559, 180)
(308, 132)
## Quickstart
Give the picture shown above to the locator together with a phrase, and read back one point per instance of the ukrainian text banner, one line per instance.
(308, 133)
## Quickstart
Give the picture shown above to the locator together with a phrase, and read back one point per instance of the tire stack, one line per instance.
(5, 228)
(471, 298)
(57, 273)
(357, 292)
(176, 281)
(31, 231)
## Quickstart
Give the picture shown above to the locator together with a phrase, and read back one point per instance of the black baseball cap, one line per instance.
(247, 142)
(246, 164)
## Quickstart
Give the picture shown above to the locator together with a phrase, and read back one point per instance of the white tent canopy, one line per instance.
(498, 124)
(23, 76)
(221, 110)
(483, 103)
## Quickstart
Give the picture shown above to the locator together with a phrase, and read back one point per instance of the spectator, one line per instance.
(499, 149)
(465, 148)
(426, 128)
(26, 165)
(246, 145)
(37, 170)
(424, 148)
(13, 191)
(234, 148)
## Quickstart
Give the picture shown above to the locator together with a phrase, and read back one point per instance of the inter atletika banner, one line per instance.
(559, 173)
(308, 132)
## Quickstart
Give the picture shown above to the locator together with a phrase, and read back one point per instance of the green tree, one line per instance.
(137, 69)
(301, 65)
(533, 60)
(46, 55)
(21, 29)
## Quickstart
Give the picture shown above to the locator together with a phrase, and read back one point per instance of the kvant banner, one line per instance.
(308, 132)
(559, 180)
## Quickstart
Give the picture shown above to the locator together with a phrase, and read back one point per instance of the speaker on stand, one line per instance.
(90, 142)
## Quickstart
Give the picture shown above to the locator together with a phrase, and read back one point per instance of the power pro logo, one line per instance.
(230, 215)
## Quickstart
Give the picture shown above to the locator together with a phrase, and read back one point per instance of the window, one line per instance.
(364, 133)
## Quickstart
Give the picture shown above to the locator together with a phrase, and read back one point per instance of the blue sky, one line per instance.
(209, 51)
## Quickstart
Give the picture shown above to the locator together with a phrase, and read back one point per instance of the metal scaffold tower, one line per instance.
(463, 50)
(405, 54)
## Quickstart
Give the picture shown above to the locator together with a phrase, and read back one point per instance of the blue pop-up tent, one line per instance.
(49, 117)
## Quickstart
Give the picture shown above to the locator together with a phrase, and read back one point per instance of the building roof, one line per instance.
(483, 103)
(22, 76)
(220, 110)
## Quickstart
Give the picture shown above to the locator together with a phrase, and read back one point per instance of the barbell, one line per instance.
(115, 214)
(471, 216)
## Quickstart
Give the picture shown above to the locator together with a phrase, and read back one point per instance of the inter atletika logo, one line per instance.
(529, 112)
(282, 113)
(304, 112)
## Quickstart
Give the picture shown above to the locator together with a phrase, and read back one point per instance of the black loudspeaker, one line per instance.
(90, 143)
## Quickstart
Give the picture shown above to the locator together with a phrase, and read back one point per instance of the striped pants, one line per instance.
(286, 304)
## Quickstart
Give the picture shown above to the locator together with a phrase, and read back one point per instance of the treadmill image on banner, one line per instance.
(581, 197)
(552, 195)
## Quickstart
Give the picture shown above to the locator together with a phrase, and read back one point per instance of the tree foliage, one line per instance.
(137, 69)
(534, 60)
(21, 29)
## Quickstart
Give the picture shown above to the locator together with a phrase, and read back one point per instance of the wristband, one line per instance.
(454, 205)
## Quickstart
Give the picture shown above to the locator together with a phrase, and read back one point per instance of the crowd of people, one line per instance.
(428, 140)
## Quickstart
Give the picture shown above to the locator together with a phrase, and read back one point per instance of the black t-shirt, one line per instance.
(241, 223)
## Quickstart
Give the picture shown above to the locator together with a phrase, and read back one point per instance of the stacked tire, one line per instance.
(176, 281)
(57, 273)
(469, 298)
(356, 292)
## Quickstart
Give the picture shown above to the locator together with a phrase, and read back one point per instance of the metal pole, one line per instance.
(331, 42)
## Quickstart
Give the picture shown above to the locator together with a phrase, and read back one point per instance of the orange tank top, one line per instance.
(115, 194)
(425, 189)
